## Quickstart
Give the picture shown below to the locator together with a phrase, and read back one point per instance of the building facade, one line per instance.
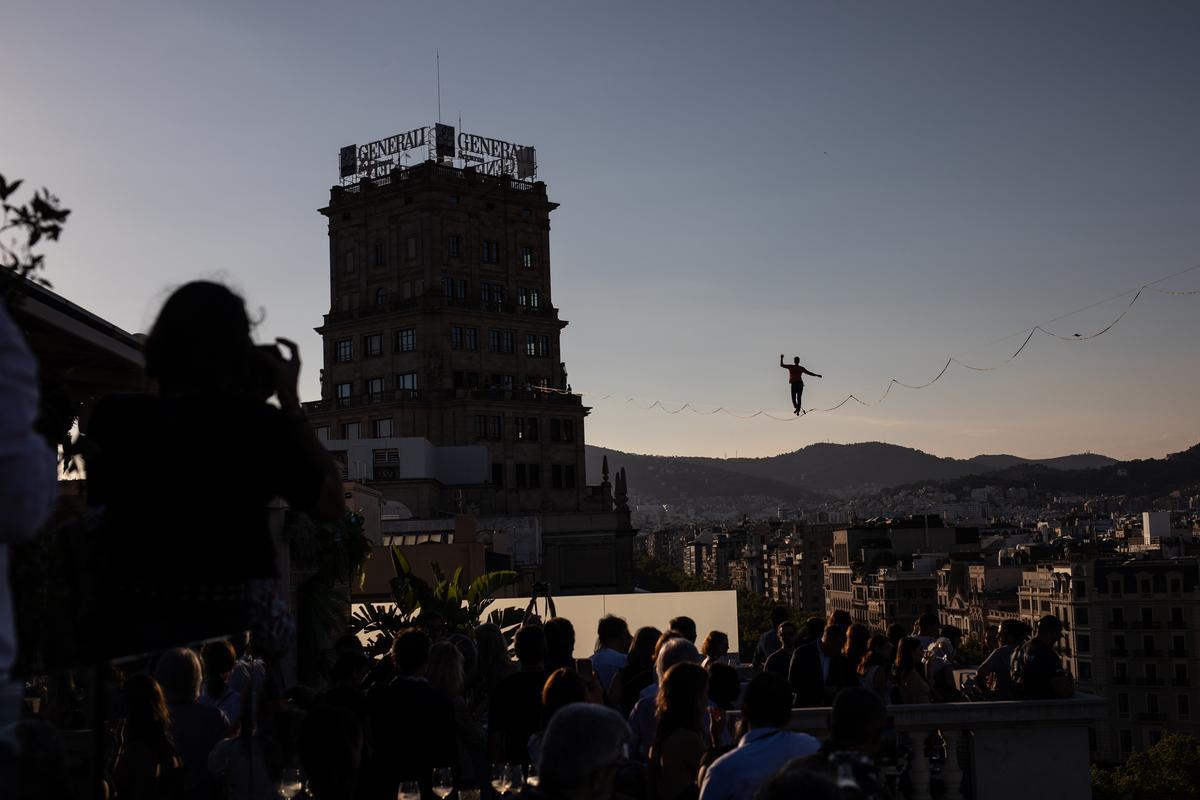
(442, 327)
(1131, 636)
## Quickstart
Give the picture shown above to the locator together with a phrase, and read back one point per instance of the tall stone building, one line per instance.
(444, 383)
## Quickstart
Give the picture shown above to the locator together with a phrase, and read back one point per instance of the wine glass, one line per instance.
(443, 782)
(409, 790)
(516, 777)
(290, 783)
(501, 780)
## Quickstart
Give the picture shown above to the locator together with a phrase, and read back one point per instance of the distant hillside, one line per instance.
(671, 479)
(1152, 476)
(820, 468)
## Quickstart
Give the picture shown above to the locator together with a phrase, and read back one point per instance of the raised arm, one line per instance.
(781, 361)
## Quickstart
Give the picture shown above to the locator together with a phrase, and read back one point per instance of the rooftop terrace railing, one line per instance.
(990, 750)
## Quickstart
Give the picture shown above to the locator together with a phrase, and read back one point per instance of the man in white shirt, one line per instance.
(610, 658)
(28, 483)
(766, 747)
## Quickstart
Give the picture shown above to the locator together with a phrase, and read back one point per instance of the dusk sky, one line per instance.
(871, 187)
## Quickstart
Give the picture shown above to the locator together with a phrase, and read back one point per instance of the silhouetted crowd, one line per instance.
(178, 550)
(921, 666)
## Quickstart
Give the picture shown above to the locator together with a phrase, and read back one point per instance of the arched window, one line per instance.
(380, 296)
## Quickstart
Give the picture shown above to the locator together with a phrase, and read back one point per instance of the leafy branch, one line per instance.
(22, 228)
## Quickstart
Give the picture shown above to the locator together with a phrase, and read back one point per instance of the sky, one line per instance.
(870, 187)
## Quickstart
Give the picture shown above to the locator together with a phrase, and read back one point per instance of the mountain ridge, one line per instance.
(814, 470)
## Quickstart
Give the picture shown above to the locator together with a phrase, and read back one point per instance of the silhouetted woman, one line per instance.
(147, 766)
(492, 664)
(184, 476)
(638, 672)
(680, 739)
(857, 638)
(874, 669)
(445, 674)
(909, 685)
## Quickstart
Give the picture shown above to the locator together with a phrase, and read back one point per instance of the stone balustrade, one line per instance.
(991, 750)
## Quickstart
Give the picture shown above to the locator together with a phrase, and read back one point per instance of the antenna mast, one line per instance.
(437, 55)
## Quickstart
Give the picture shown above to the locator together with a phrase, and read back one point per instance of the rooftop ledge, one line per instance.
(1016, 748)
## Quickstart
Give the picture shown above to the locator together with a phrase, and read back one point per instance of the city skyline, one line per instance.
(869, 192)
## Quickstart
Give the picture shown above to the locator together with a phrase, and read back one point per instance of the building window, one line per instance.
(521, 483)
(1183, 706)
(519, 428)
(1085, 670)
(537, 345)
(531, 428)
(569, 476)
(407, 381)
(556, 430)
(1151, 673)
(1181, 676)
(497, 427)
(374, 344)
(535, 475)
(1118, 618)
(526, 256)
(1144, 586)
(498, 475)
(454, 245)
(492, 293)
(322, 432)
(350, 430)
(1147, 617)
(480, 426)
(455, 199)
(1176, 585)
(493, 341)
(342, 393)
(1114, 587)
(568, 430)
(390, 455)
(528, 297)
(507, 342)
(1083, 643)
(472, 339)
(406, 340)
(375, 389)
(348, 261)
(343, 350)
(1177, 648)
(490, 252)
(456, 337)
(381, 296)
(410, 248)
(1081, 618)
(1123, 705)
(379, 254)
(1126, 738)
(381, 428)
(1080, 588)
(1148, 644)
(556, 476)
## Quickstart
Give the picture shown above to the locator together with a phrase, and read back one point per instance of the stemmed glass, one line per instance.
(516, 777)
(501, 779)
(290, 783)
(443, 782)
(409, 790)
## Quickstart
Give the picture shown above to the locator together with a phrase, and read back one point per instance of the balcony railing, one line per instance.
(1006, 742)
(434, 299)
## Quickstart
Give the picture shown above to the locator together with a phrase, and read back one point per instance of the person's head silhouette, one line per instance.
(200, 342)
